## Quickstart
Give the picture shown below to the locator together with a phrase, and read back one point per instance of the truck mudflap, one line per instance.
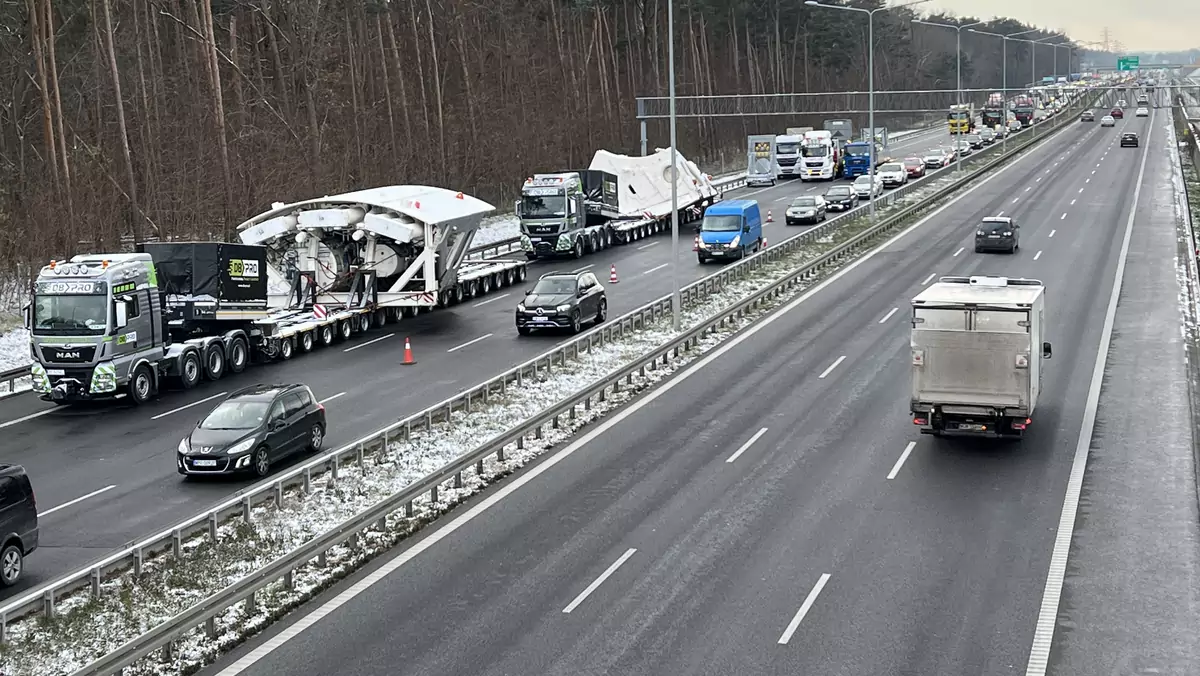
(997, 424)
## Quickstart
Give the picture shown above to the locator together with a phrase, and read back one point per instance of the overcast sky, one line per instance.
(1141, 25)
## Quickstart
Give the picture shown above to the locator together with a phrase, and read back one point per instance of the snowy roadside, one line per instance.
(128, 606)
(14, 339)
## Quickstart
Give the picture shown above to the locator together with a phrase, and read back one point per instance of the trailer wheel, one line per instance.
(141, 385)
(306, 341)
(238, 355)
(472, 288)
(485, 285)
(214, 362)
(379, 318)
(605, 238)
(364, 323)
(327, 335)
(510, 276)
(345, 329)
(593, 243)
(286, 348)
(456, 294)
(521, 272)
(189, 370)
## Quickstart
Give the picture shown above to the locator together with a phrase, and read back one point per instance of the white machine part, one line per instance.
(645, 182)
(412, 237)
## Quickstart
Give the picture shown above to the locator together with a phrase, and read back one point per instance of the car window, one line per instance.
(838, 192)
(994, 226)
(892, 167)
(804, 202)
(10, 494)
(306, 396)
(277, 411)
(555, 286)
(292, 404)
(235, 415)
(864, 180)
(589, 280)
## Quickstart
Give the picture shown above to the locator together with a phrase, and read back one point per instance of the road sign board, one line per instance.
(1128, 62)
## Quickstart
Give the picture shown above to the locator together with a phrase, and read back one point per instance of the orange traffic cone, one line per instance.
(408, 356)
(769, 219)
(612, 274)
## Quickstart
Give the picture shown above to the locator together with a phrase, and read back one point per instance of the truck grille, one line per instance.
(542, 229)
(74, 355)
(787, 161)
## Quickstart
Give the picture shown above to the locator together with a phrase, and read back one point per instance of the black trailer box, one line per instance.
(234, 275)
(600, 186)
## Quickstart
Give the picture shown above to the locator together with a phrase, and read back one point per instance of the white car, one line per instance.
(893, 174)
(1142, 112)
(867, 187)
(1001, 131)
(1121, 103)
(1108, 121)
(934, 158)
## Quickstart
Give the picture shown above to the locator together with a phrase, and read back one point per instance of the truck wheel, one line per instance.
(189, 370)
(286, 348)
(306, 341)
(141, 385)
(237, 356)
(214, 362)
(364, 323)
(327, 335)
(345, 329)
(578, 253)
(521, 272)
(594, 244)
(379, 318)
(485, 285)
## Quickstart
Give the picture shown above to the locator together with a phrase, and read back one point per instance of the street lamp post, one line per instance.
(870, 81)
(1004, 69)
(958, 54)
(676, 300)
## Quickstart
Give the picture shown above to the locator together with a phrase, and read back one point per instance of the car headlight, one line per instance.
(184, 446)
(563, 309)
(980, 233)
(240, 447)
(1008, 233)
(520, 307)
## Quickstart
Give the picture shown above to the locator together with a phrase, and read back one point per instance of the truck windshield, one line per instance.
(815, 151)
(858, 151)
(787, 148)
(82, 315)
(543, 206)
(730, 223)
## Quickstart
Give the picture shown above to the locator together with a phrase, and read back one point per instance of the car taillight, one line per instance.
(321, 407)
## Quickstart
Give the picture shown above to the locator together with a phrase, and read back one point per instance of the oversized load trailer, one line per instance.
(403, 247)
(617, 199)
(994, 112)
(977, 355)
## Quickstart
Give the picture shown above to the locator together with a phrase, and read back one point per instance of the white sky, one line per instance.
(1140, 25)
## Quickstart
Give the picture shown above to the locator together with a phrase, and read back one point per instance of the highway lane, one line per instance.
(937, 569)
(127, 453)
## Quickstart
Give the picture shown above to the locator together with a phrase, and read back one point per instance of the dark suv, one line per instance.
(18, 522)
(252, 429)
(998, 233)
(1129, 139)
(562, 300)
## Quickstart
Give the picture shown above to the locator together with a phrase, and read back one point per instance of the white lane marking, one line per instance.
(900, 462)
(1037, 255)
(656, 268)
(470, 342)
(929, 278)
(1016, 199)
(647, 246)
(1000, 213)
(369, 342)
(889, 315)
(1072, 202)
(187, 406)
(1043, 635)
(492, 299)
(1086, 180)
(326, 400)
(1039, 178)
(22, 419)
(832, 366)
(1063, 217)
(804, 608)
(76, 500)
(600, 580)
(1093, 172)
(961, 249)
(1028, 188)
(450, 527)
(579, 270)
(1052, 233)
(1081, 190)
(746, 445)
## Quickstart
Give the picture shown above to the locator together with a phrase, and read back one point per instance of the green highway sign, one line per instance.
(1128, 62)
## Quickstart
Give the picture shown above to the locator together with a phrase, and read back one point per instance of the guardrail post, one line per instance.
(177, 543)
(467, 408)
(479, 468)
(308, 481)
(289, 578)
(408, 509)
(251, 604)
(407, 430)
(210, 628)
(352, 541)
(428, 420)
(333, 469)
(557, 423)
(537, 433)
(381, 524)
(247, 510)
(323, 559)
(168, 651)
(449, 411)
(433, 495)
(212, 527)
(48, 603)
(500, 451)
(139, 561)
(361, 457)
(278, 494)
(458, 479)
(3, 628)
(96, 578)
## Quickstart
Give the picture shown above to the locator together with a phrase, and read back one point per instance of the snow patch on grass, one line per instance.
(128, 605)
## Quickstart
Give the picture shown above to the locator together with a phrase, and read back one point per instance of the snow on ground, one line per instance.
(85, 627)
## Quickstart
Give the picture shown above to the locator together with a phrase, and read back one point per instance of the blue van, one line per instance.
(729, 230)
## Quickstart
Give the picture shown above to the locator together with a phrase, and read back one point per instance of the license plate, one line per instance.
(56, 372)
(541, 319)
(718, 253)
(971, 427)
(204, 463)
(993, 236)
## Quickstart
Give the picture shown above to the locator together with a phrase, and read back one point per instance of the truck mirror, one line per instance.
(517, 208)
(746, 229)
(27, 315)
(121, 310)
(1046, 351)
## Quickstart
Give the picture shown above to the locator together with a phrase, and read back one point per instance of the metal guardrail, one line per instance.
(10, 377)
(241, 505)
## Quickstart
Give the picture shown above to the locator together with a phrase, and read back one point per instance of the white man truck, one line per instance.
(978, 355)
(821, 156)
(787, 152)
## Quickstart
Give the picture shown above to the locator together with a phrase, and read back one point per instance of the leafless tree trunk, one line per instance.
(135, 216)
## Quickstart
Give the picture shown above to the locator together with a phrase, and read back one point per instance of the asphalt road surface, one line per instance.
(105, 475)
(772, 510)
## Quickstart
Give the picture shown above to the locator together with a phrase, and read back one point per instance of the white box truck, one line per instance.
(977, 355)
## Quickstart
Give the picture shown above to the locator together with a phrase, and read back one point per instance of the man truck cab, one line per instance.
(729, 230)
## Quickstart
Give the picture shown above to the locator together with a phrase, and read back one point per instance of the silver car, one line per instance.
(1108, 121)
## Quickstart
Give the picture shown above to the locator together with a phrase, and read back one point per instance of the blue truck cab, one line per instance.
(729, 230)
(858, 158)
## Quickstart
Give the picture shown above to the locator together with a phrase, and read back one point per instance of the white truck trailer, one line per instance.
(977, 355)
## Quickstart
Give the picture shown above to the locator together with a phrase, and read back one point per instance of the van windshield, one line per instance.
(728, 223)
